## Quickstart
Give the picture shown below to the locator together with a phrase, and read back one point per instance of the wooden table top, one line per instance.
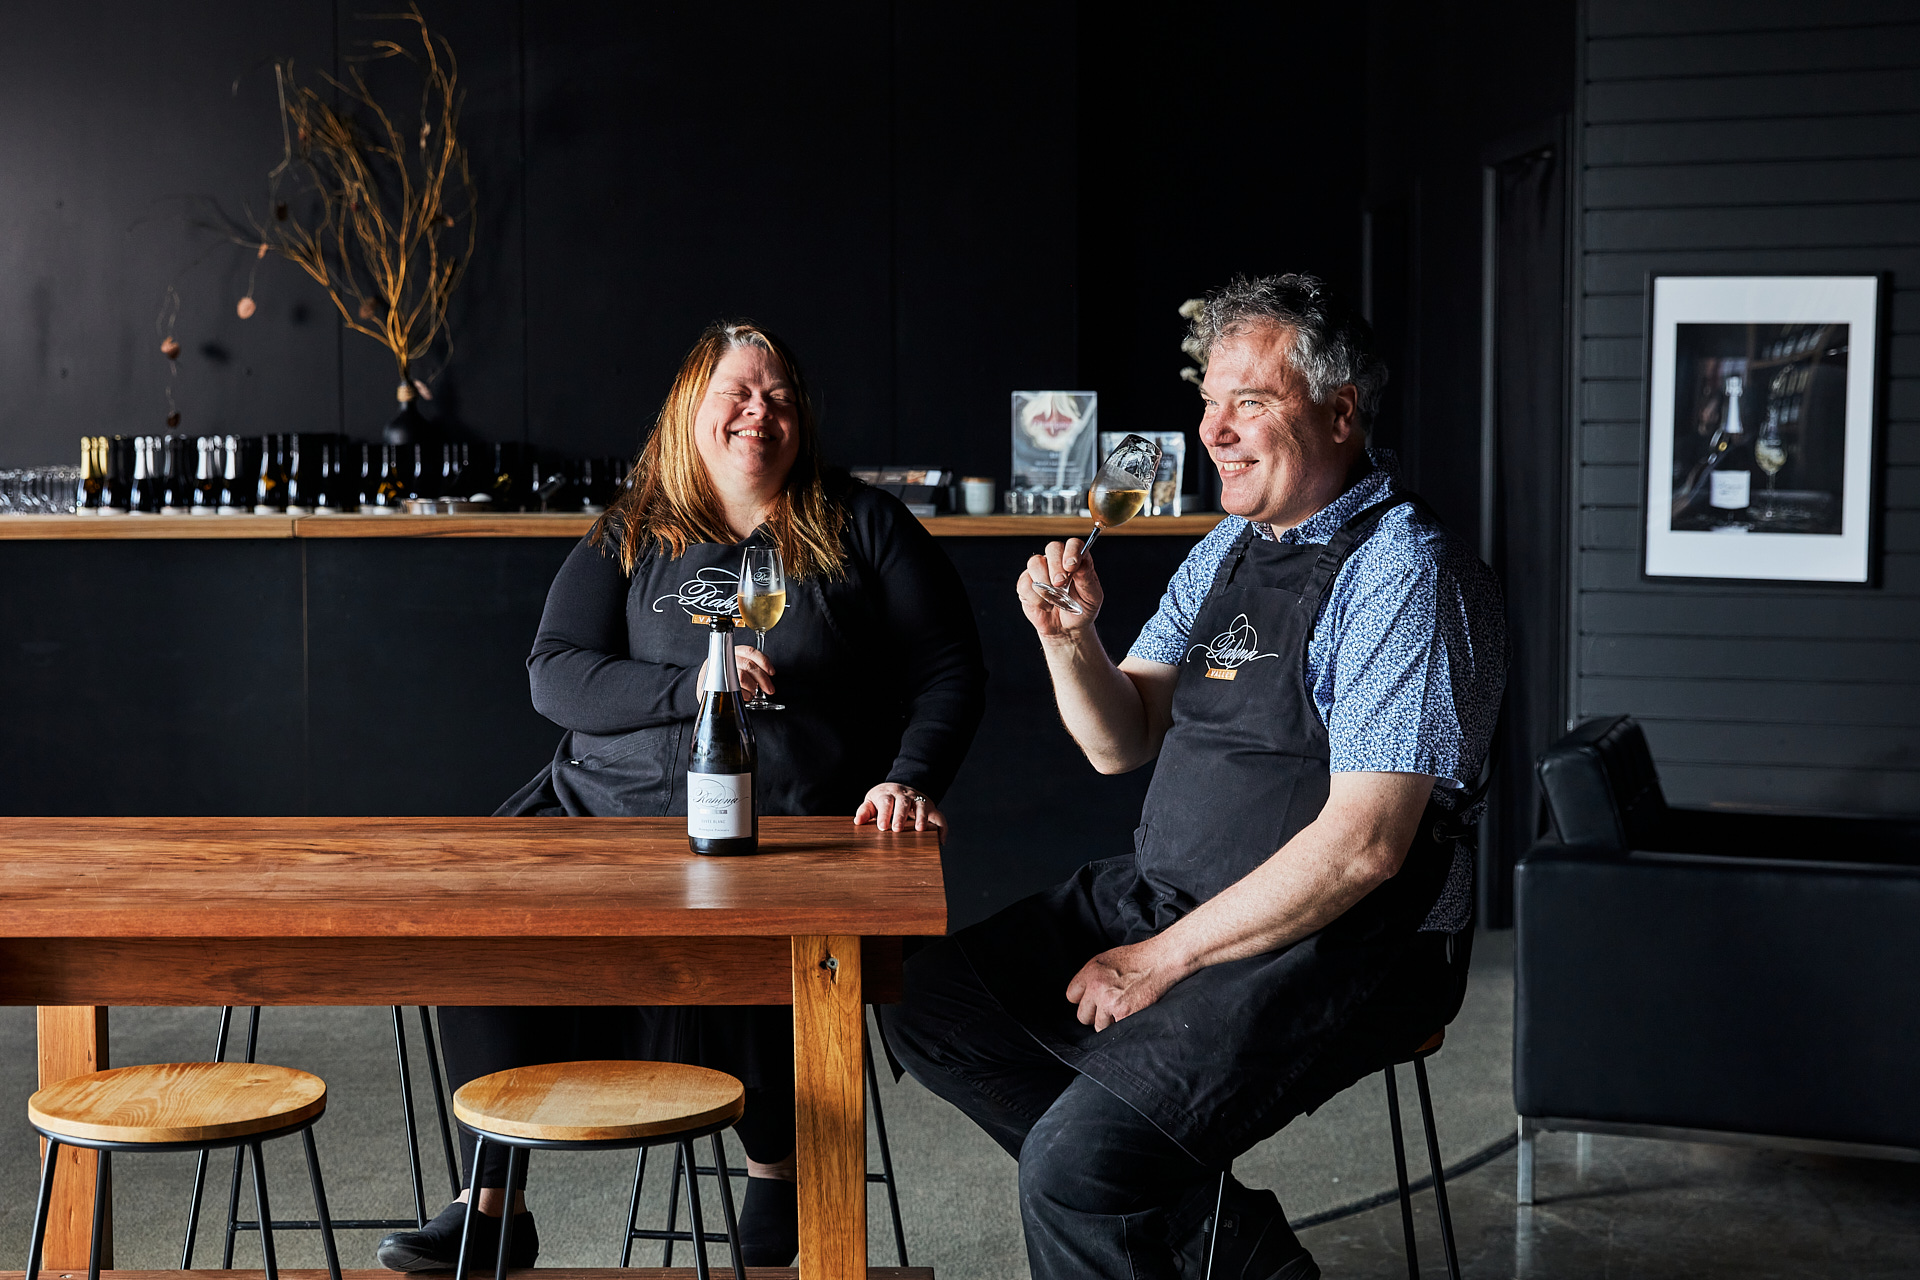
(458, 877)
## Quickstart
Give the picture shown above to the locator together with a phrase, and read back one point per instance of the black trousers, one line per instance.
(1103, 1192)
(753, 1043)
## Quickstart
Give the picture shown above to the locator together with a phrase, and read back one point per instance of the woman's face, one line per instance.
(748, 426)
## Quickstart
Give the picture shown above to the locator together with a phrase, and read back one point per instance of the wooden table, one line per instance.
(473, 911)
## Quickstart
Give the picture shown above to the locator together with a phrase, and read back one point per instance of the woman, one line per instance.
(879, 669)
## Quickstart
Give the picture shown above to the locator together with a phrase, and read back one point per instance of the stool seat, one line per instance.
(1432, 1045)
(599, 1101)
(177, 1102)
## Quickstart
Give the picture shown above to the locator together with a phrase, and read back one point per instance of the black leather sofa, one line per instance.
(1712, 976)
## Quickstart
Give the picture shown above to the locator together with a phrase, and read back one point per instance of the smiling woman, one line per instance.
(871, 604)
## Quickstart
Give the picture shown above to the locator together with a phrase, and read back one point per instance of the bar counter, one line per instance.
(514, 525)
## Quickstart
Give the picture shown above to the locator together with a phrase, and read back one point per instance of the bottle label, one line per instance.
(1732, 490)
(719, 805)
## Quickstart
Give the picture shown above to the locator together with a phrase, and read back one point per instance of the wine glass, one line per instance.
(1771, 453)
(1117, 495)
(763, 599)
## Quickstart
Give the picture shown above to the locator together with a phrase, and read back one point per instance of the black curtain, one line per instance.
(1529, 508)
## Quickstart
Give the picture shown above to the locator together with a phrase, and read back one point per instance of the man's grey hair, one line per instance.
(1332, 347)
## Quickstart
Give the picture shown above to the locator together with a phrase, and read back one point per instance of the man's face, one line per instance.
(1281, 456)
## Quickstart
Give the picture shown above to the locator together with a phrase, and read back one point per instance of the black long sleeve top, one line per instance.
(900, 606)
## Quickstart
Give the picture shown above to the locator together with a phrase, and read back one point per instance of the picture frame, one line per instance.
(1762, 427)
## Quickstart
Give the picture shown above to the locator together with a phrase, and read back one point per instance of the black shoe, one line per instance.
(436, 1246)
(770, 1223)
(1255, 1241)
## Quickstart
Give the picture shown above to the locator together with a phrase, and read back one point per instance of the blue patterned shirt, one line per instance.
(1409, 653)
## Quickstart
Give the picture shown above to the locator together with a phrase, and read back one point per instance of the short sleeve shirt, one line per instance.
(1408, 655)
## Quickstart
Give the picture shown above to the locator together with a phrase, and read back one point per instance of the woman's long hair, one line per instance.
(669, 502)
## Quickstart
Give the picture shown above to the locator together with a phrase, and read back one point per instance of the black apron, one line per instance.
(1243, 768)
(818, 756)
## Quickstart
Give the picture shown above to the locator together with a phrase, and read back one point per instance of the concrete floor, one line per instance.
(1633, 1208)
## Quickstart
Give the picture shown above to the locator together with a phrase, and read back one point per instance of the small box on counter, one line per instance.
(927, 491)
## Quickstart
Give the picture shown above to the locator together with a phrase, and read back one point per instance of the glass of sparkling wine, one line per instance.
(1771, 453)
(763, 599)
(1117, 495)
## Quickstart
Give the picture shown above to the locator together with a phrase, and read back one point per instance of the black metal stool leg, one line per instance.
(260, 1207)
(886, 1154)
(694, 1221)
(406, 1112)
(473, 1198)
(201, 1161)
(673, 1204)
(1439, 1174)
(239, 1153)
(320, 1205)
(516, 1158)
(102, 1175)
(633, 1210)
(1400, 1172)
(440, 1104)
(726, 1208)
(41, 1208)
(1213, 1236)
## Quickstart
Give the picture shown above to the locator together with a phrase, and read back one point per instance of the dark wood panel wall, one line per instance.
(1759, 137)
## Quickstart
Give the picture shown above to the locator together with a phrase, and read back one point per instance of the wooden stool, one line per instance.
(585, 1106)
(1418, 1058)
(181, 1106)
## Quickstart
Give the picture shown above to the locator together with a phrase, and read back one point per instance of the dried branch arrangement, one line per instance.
(377, 208)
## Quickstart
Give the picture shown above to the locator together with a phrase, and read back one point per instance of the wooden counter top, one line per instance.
(517, 525)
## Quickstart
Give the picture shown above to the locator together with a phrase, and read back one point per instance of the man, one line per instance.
(1316, 692)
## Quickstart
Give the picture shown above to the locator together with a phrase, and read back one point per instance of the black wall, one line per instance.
(1754, 138)
(892, 187)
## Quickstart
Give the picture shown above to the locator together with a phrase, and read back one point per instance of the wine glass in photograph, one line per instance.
(1117, 495)
(1771, 453)
(763, 599)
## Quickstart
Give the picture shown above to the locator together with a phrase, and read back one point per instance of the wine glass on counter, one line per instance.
(763, 601)
(1117, 495)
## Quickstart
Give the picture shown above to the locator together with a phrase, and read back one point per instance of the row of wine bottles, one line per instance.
(319, 474)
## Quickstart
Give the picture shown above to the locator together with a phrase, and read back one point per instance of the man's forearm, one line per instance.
(1334, 861)
(1098, 702)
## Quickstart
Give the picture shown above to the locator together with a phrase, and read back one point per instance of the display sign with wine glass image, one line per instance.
(1117, 495)
(1760, 427)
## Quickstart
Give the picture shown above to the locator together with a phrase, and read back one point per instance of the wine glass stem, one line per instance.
(1091, 539)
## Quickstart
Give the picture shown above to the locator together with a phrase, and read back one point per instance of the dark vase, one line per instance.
(409, 425)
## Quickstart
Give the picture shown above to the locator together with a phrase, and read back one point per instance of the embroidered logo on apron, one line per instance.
(1231, 649)
(708, 592)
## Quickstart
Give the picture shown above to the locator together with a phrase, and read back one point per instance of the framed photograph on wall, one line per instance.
(1761, 406)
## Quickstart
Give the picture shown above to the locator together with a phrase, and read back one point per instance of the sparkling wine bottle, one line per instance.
(721, 817)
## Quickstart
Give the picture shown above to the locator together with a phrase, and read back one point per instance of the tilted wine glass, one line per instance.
(763, 599)
(1117, 495)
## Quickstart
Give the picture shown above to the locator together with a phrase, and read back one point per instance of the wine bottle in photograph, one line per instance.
(1731, 484)
(721, 816)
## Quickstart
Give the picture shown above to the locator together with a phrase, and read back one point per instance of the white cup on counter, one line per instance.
(979, 495)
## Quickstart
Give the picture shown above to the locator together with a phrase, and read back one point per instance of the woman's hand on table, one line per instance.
(756, 672)
(892, 806)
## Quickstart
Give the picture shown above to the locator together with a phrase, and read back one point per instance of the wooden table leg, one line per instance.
(830, 1106)
(73, 1041)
